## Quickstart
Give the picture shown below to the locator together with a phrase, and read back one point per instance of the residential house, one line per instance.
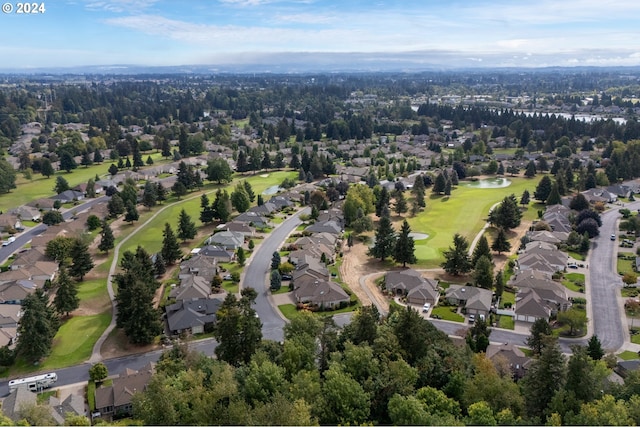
(252, 219)
(510, 354)
(473, 300)
(594, 195)
(217, 252)
(10, 223)
(199, 265)
(17, 399)
(13, 292)
(281, 202)
(331, 227)
(324, 294)
(26, 213)
(116, 399)
(531, 307)
(28, 257)
(326, 239)
(192, 316)
(410, 283)
(68, 196)
(623, 367)
(230, 240)
(43, 204)
(192, 287)
(315, 251)
(238, 227)
(553, 237)
(73, 404)
(265, 209)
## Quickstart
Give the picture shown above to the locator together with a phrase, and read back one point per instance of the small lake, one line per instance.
(271, 190)
(487, 183)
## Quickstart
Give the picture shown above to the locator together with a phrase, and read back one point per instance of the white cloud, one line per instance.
(120, 6)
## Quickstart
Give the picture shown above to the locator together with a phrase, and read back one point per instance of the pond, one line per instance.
(487, 183)
(271, 190)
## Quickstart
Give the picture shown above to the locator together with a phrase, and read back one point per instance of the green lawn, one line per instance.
(288, 310)
(635, 335)
(578, 256)
(464, 212)
(574, 282)
(75, 340)
(507, 297)
(628, 355)
(150, 235)
(506, 322)
(625, 265)
(445, 313)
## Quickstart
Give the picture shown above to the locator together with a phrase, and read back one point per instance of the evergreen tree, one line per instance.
(249, 190)
(132, 213)
(86, 160)
(501, 243)
(385, 239)
(97, 156)
(159, 265)
(539, 331)
(401, 203)
(275, 280)
(37, 327)
(241, 257)
(240, 199)
(498, 283)
(478, 336)
(507, 214)
(481, 249)
(115, 206)
(382, 200)
(149, 161)
(222, 206)
(161, 193)
(483, 273)
(440, 184)
(206, 210)
(90, 191)
(405, 247)
(113, 169)
(545, 376)
(61, 185)
(186, 227)
(530, 172)
(594, 348)
(554, 196)
(237, 329)
(166, 148)
(543, 189)
(457, 259)
(46, 169)
(418, 191)
(525, 198)
(66, 299)
(81, 259)
(107, 240)
(149, 195)
(579, 203)
(275, 260)
(179, 189)
(137, 316)
(170, 247)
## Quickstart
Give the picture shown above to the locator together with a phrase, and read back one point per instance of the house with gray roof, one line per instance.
(230, 240)
(323, 293)
(473, 300)
(252, 219)
(217, 252)
(192, 287)
(512, 355)
(192, 316)
(199, 265)
(116, 399)
(331, 227)
(68, 196)
(410, 283)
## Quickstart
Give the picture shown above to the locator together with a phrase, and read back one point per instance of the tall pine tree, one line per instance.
(186, 227)
(66, 299)
(170, 247)
(385, 239)
(405, 247)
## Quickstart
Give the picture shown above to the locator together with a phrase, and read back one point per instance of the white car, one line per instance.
(9, 241)
(426, 307)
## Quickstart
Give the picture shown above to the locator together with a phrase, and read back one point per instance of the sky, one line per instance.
(461, 33)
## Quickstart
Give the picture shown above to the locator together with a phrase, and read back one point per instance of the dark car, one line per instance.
(287, 276)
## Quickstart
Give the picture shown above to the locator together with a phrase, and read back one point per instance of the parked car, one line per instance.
(286, 276)
(9, 241)
(613, 237)
(426, 307)
(472, 318)
(227, 277)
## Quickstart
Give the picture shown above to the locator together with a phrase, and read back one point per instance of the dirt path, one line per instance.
(359, 272)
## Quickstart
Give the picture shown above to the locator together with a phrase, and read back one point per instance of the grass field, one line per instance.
(506, 322)
(445, 313)
(507, 297)
(40, 186)
(625, 265)
(464, 212)
(574, 282)
(150, 235)
(628, 355)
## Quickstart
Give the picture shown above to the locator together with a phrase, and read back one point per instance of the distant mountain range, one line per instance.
(325, 62)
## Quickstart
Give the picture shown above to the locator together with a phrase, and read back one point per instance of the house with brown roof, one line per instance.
(473, 300)
(323, 293)
(117, 398)
(192, 287)
(410, 283)
(511, 355)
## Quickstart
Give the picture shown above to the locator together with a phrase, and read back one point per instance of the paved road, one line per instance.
(256, 276)
(607, 312)
(26, 236)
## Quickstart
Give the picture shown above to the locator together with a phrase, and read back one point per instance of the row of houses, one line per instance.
(310, 254)
(538, 296)
(194, 301)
